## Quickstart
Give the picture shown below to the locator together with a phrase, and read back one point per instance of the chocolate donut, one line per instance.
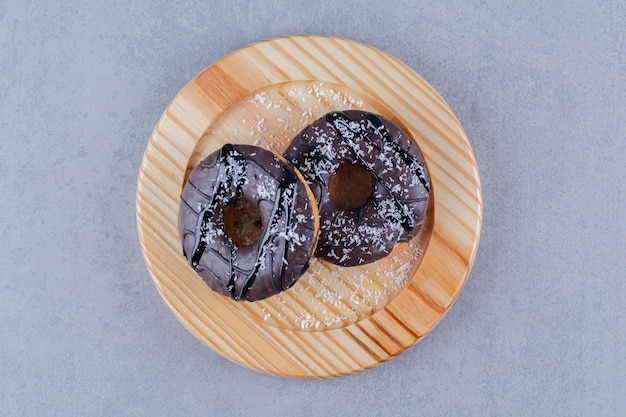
(247, 222)
(370, 182)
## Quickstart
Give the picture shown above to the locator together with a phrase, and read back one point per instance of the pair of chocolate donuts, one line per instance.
(347, 189)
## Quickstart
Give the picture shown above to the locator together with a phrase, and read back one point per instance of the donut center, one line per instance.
(242, 222)
(350, 186)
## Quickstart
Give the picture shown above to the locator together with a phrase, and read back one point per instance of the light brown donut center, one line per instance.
(242, 222)
(350, 186)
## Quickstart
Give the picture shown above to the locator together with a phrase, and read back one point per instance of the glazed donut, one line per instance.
(247, 222)
(369, 180)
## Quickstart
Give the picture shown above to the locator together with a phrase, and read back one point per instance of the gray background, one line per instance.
(540, 328)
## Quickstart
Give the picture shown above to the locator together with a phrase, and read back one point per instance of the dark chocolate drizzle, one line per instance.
(223, 183)
(411, 161)
(283, 205)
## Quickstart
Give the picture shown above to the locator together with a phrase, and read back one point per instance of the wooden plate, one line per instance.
(335, 320)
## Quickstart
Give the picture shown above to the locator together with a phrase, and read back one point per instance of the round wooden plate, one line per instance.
(335, 320)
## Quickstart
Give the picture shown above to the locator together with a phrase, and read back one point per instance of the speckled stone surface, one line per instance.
(540, 328)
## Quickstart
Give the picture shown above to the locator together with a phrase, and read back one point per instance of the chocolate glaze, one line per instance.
(288, 236)
(393, 213)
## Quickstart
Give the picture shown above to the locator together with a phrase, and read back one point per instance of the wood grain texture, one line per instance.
(335, 320)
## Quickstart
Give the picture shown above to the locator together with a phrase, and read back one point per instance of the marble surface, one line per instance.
(540, 328)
